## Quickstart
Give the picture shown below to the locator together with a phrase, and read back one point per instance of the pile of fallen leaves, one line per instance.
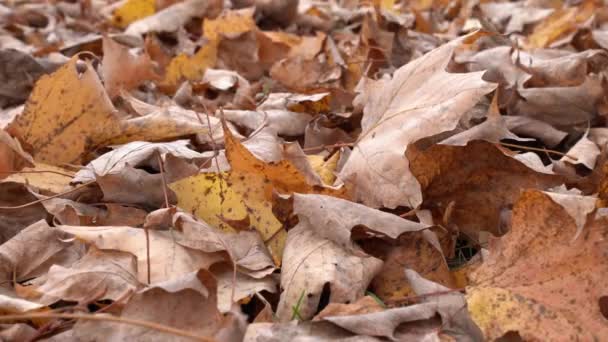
(303, 170)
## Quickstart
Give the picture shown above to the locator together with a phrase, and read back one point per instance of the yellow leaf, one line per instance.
(325, 168)
(231, 23)
(192, 68)
(133, 10)
(244, 194)
(559, 24)
(67, 113)
(184, 67)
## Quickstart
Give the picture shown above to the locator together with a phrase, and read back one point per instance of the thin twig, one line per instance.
(539, 149)
(50, 197)
(219, 174)
(341, 144)
(38, 171)
(136, 322)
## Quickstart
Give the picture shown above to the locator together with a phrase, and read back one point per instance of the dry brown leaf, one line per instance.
(335, 219)
(397, 113)
(111, 273)
(139, 154)
(537, 281)
(187, 303)
(478, 178)
(168, 260)
(121, 70)
(310, 262)
(18, 73)
(36, 248)
(12, 156)
(412, 251)
(12, 221)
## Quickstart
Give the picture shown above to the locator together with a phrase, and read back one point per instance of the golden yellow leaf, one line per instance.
(231, 23)
(184, 67)
(559, 24)
(133, 10)
(67, 113)
(325, 168)
(242, 197)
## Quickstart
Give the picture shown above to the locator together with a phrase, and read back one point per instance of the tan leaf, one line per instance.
(167, 259)
(400, 111)
(309, 263)
(110, 273)
(186, 303)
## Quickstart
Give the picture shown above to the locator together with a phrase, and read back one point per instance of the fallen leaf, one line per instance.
(167, 259)
(111, 273)
(403, 110)
(121, 70)
(67, 113)
(186, 303)
(309, 263)
(537, 281)
(132, 10)
(245, 193)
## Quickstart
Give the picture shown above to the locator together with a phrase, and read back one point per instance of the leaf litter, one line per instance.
(294, 170)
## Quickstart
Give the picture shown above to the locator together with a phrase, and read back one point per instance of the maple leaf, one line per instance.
(399, 111)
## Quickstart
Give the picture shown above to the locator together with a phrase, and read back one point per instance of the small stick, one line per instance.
(37, 171)
(308, 149)
(48, 198)
(538, 149)
(136, 322)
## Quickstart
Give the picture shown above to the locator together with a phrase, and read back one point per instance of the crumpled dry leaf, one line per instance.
(244, 248)
(168, 260)
(537, 281)
(111, 273)
(400, 111)
(18, 73)
(244, 286)
(36, 248)
(121, 70)
(525, 126)
(12, 221)
(73, 213)
(414, 251)
(287, 114)
(134, 154)
(12, 156)
(335, 219)
(478, 178)
(186, 303)
(309, 263)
